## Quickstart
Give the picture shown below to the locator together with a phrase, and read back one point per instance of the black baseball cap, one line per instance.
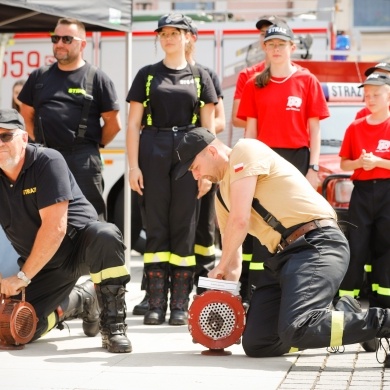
(192, 27)
(192, 144)
(175, 20)
(10, 119)
(381, 65)
(267, 21)
(376, 79)
(279, 31)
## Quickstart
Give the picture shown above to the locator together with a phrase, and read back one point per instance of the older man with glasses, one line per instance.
(58, 237)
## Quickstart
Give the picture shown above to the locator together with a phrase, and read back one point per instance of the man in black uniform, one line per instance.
(56, 232)
(63, 105)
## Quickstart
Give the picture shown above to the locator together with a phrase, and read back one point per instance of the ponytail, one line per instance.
(262, 79)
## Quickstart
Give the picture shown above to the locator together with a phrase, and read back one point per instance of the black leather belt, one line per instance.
(173, 128)
(306, 228)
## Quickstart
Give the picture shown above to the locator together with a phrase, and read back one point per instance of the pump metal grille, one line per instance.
(217, 320)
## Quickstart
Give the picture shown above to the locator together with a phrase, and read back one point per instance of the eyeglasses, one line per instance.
(173, 34)
(279, 46)
(66, 39)
(7, 137)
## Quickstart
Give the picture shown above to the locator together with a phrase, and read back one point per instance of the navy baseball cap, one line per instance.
(175, 20)
(10, 119)
(376, 79)
(279, 31)
(192, 26)
(268, 21)
(382, 66)
(192, 143)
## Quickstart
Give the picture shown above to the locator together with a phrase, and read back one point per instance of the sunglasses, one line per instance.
(66, 39)
(7, 137)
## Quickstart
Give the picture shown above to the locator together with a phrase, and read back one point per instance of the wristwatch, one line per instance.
(22, 276)
(314, 167)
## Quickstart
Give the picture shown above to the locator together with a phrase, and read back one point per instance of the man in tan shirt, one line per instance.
(293, 308)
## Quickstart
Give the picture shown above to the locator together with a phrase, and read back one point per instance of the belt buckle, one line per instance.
(280, 248)
(175, 129)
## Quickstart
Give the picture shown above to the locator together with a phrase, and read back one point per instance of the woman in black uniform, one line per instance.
(168, 99)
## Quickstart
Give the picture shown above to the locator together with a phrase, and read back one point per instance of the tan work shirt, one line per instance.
(281, 189)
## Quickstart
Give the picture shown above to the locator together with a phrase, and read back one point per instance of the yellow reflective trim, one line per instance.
(383, 291)
(293, 349)
(204, 251)
(368, 267)
(337, 329)
(149, 120)
(181, 261)
(351, 293)
(198, 91)
(375, 286)
(158, 257)
(51, 322)
(256, 266)
(246, 257)
(108, 273)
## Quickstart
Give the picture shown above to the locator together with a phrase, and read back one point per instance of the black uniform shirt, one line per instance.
(173, 95)
(43, 181)
(58, 98)
(214, 79)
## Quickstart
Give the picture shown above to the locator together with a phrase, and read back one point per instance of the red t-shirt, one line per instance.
(283, 109)
(363, 113)
(245, 75)
(372, 138)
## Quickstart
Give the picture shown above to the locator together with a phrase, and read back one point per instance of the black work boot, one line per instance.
(81, 303)
(112, 318)
(349, 304)
(182, 282)
(157, 288)
(142, 307)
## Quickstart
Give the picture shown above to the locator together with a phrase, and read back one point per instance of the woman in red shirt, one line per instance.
(283, 105)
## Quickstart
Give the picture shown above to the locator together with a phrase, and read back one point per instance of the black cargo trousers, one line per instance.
(97, 250)
(291, 308)
(85, 163)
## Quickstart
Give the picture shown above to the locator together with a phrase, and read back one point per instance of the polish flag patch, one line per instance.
(238, 167)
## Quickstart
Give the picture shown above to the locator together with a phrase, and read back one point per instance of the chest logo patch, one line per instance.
(383, 146)
(294, 103)
(76, 91)
(29, 191)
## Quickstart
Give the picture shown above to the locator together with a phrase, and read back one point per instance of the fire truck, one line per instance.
(225, 47)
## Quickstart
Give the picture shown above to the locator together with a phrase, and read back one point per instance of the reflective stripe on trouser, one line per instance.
(247, 252)
(205, 235)
(169, 205)
(256, 266)
(98, 249)
(293, 311)
(167, 257)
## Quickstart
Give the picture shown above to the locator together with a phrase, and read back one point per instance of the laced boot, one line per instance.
(142, 307)
(157, 288)
(182, 281)
(349, 304)
(81, 303)
(112, 319)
